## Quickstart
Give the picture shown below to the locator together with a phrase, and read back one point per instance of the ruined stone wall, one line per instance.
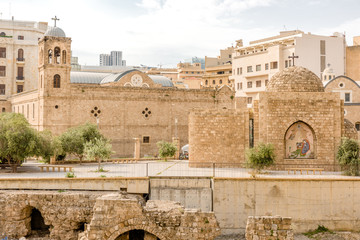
(103, 215)
(218, 136)
(269, 228)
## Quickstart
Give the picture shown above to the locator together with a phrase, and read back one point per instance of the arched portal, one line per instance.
(38, 228)
(137, 234)
(300, 141)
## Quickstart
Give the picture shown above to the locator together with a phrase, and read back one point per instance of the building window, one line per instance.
(3, 110)
(240, 70)
(347, 97)
(57, 55)
(95, 111)
(273, 65)
(20, 55)
(266, 66)
(50, 53)
(20, 73)
(286, 63)
(249, 100)
(214, 82)
(249, 84)
(220, 82)
(249, 69)
(146, 113)
(2, 52)
(258, 83)
(322, 63)
(2, 89)
(64, 56)
(19, 88)
(322, 47)
(258, 67)
(241, 85)
(57, 81)
(341, 85)
(20, 37)
(186, 72)
(192, 72)
(206, 82)
(146, 139)
(2, 71)
(357, 126)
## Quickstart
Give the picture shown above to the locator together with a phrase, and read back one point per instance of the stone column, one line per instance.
(176, 142)
(137, 148)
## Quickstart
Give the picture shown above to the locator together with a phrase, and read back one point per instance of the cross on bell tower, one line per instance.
(293, 58)
(55, 19)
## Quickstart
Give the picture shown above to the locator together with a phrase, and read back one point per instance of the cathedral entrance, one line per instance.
(300, 141)
(137, 234)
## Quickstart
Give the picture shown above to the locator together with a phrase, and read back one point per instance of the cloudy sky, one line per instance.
(153, 32)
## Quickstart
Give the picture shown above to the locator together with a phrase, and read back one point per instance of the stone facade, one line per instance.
(353, 60)
(101, 215)
(269, 228)
(294, 97)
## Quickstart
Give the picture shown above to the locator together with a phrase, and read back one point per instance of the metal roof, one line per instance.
(164, 81)
(87, 77)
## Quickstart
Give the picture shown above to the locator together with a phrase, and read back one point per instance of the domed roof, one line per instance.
(55, 32)
(295, 79)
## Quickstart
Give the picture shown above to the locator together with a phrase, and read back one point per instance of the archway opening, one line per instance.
(38, 226)
(300, 141)
(137, 234)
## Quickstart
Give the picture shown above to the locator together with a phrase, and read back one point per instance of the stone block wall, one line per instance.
(323, 112)
(269, 228)
(218, 136)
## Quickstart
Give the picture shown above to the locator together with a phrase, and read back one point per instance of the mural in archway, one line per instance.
(300, 141)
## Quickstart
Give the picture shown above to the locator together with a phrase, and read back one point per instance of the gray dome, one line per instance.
(55, 32)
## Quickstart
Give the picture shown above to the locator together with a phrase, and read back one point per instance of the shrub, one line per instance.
(348, 156)
(166, 149)
(260, 156)
(70, 175)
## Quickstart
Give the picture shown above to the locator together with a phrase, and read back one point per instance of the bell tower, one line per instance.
(54, 62)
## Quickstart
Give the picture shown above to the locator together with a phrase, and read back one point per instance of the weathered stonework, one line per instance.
(105, 215)
(269, 228)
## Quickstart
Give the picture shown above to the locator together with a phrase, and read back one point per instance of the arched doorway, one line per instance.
(137, 234)
(37, 224)
(300, 141)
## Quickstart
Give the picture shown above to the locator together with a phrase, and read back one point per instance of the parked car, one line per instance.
(184, 152)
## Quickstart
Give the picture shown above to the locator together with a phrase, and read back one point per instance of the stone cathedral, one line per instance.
(125, 105)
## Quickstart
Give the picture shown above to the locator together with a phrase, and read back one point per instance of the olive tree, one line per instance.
(74, 139)
(18, 140)
(166, 149)
(98, 149)
(260, 156)
(348, 156)
(49, 145)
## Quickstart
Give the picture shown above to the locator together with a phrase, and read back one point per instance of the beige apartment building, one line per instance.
(255, 64)
(190, 74)
(353, 60)
(19, 55)
(218, 70)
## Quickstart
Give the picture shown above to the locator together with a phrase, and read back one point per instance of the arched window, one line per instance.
(50, 54)
(220, 81)
(214, 82)
(300, 141)
(64, 56)
(206, 82)
(57, 55)
(20, 54)
(357, 126)
(57, 81)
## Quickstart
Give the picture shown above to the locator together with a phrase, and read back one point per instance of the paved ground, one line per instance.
(153, 168)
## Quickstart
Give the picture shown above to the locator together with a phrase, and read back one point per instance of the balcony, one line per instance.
(20, 59)
(20, 78)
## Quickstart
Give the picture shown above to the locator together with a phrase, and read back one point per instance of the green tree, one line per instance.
(348, 156)
(18, 140)
(74, 139)
(98, 149)
(260, 156)
(48, 146)
(166, 149)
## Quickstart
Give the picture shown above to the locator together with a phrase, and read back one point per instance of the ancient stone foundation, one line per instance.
(100, 215)
(269, 228)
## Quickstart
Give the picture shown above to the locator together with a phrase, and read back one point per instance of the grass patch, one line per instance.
(102, 175)
(70, 175)
(61, 190)
(101, 170)
(320, 229)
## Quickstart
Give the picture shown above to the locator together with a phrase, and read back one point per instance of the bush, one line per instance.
(260, 156)
(348, 156)
(166, 149)
(70, 175)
